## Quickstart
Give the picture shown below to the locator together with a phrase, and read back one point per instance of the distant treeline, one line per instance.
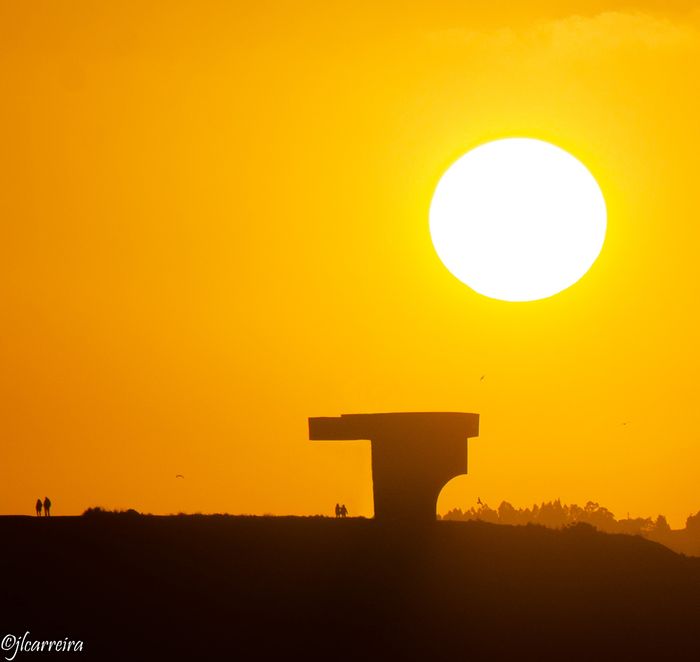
(96, 511)
(554, 514)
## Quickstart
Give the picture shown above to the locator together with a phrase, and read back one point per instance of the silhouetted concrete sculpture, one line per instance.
(413, 456)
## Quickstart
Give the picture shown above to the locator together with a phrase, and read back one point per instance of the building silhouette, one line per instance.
(414, 454)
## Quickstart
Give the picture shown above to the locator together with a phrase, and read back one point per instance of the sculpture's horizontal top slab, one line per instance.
(395, 425)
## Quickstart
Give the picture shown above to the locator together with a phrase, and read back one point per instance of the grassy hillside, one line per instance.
(191, 587)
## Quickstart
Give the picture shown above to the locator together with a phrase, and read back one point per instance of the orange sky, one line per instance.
(214, 224)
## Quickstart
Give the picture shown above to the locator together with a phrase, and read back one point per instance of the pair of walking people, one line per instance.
(341, 511)
(46, 505)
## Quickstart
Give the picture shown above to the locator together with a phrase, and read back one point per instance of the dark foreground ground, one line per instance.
(237, 588)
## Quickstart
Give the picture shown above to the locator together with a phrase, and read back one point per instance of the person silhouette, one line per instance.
(38, 507)
(47, 507)
(337, 510)
(343, 511)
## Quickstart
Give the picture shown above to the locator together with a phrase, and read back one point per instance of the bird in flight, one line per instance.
(482, 378)
(179, 476)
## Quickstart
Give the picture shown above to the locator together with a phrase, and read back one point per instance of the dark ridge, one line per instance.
(556, 515)
(243, 588)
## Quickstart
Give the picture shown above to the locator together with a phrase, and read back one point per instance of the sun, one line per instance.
(518, 219)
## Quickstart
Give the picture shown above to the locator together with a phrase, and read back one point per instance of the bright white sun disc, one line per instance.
(518, 219)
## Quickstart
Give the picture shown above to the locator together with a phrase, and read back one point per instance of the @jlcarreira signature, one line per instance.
(12, 644)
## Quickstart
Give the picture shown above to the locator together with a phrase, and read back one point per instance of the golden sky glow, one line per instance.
(214, 224)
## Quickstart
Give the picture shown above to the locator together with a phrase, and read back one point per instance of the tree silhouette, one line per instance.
(554, 514)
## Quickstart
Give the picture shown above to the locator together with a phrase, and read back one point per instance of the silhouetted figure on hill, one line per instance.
(343, 511)
(47, 507)
(38, 507)
(337, 510)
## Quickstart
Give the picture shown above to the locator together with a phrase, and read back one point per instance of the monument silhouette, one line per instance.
(414, 454)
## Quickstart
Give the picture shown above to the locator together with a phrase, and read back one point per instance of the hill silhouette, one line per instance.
(554, 514)
(197, 587)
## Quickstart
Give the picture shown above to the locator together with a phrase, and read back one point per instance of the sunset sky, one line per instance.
(214, 224)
